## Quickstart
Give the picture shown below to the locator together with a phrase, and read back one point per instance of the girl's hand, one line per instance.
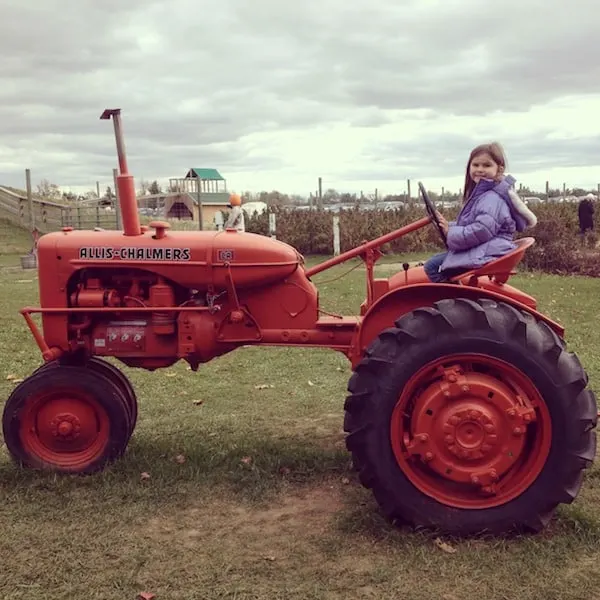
(443, 222)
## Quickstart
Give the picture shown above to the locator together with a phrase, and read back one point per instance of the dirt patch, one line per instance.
(268, 533)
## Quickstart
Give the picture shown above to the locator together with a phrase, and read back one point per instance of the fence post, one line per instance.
(97, 215)
(320, 193)
(336, 235)
(272, 225)
(29, 198)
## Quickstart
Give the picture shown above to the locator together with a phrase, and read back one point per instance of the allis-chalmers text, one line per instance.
(132, 253)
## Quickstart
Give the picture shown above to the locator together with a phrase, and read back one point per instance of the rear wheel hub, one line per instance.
(468, 428)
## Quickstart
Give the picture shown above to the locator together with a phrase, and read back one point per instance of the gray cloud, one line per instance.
(446, 156)
(194, 81)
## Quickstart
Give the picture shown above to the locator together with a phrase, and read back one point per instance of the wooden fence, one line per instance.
(48, 216)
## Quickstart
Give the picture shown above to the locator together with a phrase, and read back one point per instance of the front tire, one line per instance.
(67, 419)
(470, 417)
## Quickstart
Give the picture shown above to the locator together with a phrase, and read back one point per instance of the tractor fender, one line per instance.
(389, 307)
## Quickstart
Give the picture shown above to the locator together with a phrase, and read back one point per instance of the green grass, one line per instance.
(265, 505)
(14, 241)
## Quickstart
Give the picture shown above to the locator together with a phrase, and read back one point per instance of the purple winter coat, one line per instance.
(485, 226)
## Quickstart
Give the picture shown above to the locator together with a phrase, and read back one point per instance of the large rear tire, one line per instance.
(470, 417)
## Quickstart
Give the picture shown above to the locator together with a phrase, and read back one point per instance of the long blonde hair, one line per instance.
(495, 150)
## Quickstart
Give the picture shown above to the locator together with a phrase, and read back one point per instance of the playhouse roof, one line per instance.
(206, 174)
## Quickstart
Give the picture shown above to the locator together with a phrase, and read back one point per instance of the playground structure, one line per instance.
(465, 410)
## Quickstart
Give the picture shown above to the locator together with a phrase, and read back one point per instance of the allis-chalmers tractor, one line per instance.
(465, 410)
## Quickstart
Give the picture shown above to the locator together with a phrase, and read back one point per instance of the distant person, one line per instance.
(491, 213)
(236, 216)
(586, 216)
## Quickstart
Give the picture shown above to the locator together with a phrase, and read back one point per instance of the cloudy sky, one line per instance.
(365, 93)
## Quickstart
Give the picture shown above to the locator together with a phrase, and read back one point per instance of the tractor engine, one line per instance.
(140, 334)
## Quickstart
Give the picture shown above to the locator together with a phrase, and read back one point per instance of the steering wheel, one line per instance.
(432, 213)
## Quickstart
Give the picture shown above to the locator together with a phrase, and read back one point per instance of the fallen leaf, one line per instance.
(310, 383)
(247, 460)
(145, 476)
(11, 377)
(263, 386)
(146, 596)
(345, 480)
(444, 546)
(271, 558)
(17, 380)
(170, 374)
(198, 402)
(180, 459)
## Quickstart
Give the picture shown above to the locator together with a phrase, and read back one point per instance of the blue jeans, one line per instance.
(432, 269)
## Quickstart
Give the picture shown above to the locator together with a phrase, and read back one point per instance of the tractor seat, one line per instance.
(498, 270)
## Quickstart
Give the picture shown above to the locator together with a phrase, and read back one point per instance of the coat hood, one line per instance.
(523, 216)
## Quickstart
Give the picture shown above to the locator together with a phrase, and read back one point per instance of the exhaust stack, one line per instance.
(125, 183)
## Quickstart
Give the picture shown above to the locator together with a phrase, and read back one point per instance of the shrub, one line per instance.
(559, 247)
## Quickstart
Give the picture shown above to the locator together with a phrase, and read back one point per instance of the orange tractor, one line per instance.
(465, 410)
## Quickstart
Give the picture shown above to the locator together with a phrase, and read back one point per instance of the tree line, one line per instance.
(52, 192)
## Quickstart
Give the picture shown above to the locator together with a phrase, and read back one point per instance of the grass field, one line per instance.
(237, 485)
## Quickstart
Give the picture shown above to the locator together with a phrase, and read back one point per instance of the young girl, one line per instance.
(485, 226)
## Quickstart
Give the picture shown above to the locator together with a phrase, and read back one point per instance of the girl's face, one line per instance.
(483, 166)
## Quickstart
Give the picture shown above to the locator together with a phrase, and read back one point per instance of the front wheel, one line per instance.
(469, 417)
(67, 419)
